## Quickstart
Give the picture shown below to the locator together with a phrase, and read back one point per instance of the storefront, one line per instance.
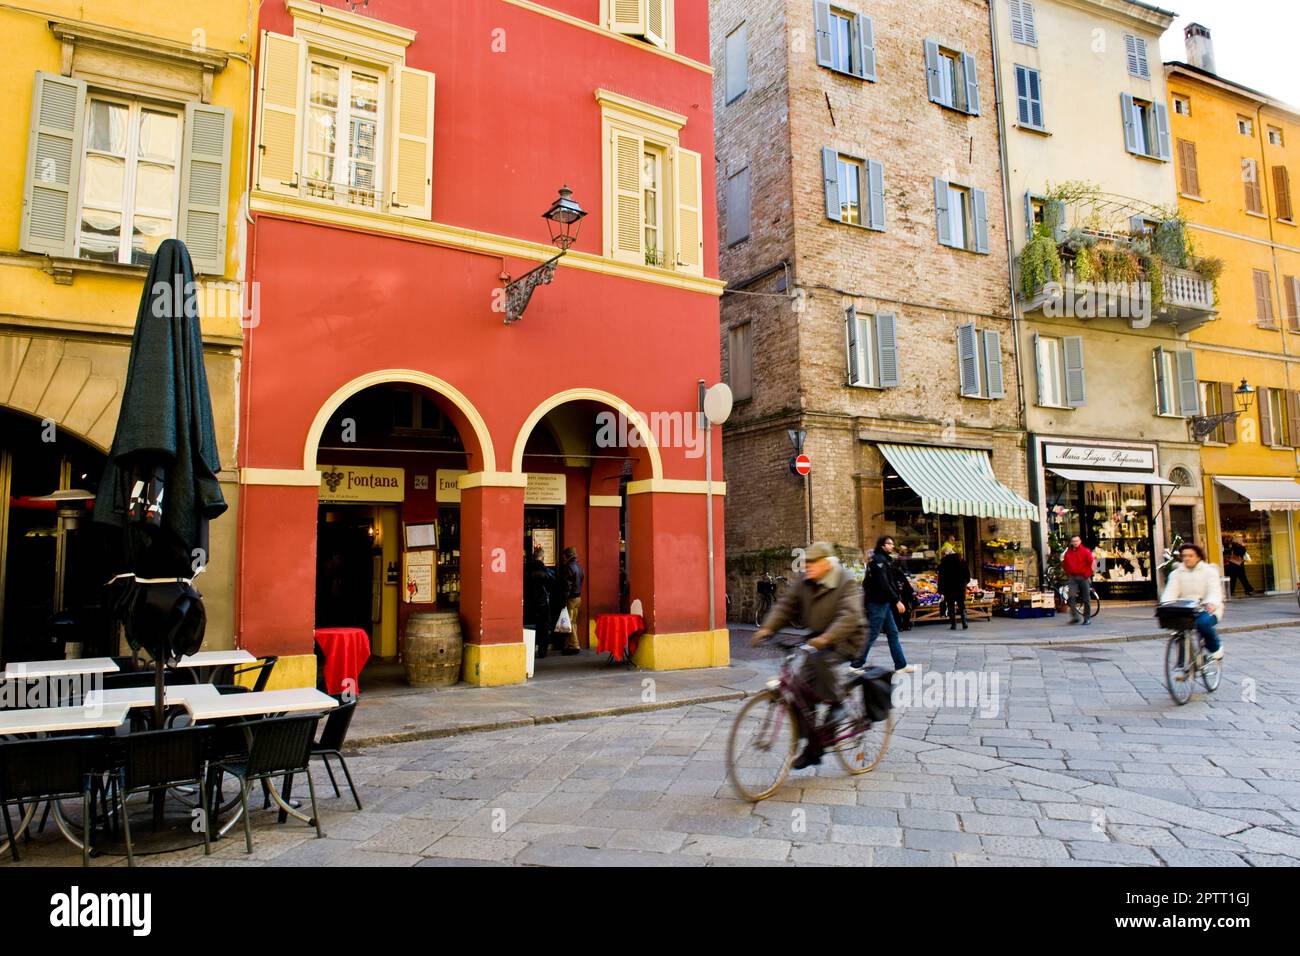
(1111, 496)
(937, 499)
(1258, 513)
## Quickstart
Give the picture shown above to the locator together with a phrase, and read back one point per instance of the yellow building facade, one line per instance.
(1237, 151)
(127, 124)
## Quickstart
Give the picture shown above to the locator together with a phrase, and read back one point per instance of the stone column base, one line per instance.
(493, 665)
(672, 652)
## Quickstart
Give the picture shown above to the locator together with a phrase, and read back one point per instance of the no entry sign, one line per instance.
(802, 465)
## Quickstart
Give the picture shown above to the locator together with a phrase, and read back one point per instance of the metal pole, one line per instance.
(708, 499)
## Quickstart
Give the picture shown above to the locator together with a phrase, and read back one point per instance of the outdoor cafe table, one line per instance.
(136, 697)
(616, 635)
(346, 650)
(37, 670)
(214, 659)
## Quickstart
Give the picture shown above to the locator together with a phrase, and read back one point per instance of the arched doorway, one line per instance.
(49, 552)
(579, 450)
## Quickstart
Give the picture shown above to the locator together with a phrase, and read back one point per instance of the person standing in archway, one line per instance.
(572, 576)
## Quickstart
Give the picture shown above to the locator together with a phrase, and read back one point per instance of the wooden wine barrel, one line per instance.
(432, 651)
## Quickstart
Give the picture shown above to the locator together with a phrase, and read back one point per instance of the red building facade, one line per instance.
(402, 159)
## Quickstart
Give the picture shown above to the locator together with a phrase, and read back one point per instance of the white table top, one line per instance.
(35, 670)
(132, 697)
(216, 658)
(50, 719)
(294, 701)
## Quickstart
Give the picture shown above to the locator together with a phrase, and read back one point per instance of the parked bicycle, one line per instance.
(765, 736)
(1063, 598)
(767, 588)
(1186, 658)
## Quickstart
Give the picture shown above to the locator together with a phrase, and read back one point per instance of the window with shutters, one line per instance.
(1246, 126)
(961, 214)
(1177, 392)
(1135, 50)
(652, 187)
(647, 20)
(342, 155)
(1263, 299)
(1212, 403)
(1250, 183)
(736, 66)
(979, 363)
(855, 189)
(1146, 127)
(871, 349)
(845, 40)
(1189, 179)
(1277, 402)
(738, 207)
(1274, 136)
(1023, 28)
(1051, 372)
(1291, 290)
(1029, 98)
(1282, 193)
(1182, 105)
(952, 79)
(740, 361)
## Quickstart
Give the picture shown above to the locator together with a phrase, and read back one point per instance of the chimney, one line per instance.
(1200, 48)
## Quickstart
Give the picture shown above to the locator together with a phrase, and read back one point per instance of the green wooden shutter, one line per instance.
(1075, 392)
(1189, 392)
(887, 350)
(967, 360)
(932, 78)
(876, 193)
(867, 42)
(980, 204)
(1158, 363)
(205, 185)
(822, 18)
(941, 211)
(1038, 368)
(851, 342)
(972, 84)
(831, 178)
(53, 175)
(1130, 123)
(993, 376)
(1162, 148)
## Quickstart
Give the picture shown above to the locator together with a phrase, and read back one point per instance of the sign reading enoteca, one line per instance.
(361, 483)
(543, 488)
(1099, 456)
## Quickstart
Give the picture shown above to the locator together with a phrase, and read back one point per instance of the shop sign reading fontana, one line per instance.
(361, 483)
(543, 488)
(1099, 456)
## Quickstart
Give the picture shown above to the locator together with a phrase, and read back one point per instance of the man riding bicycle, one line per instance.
(1198, 580)
(826, 601)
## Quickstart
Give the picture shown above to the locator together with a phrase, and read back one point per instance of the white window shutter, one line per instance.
(1189, 392)
(1128, 110)
(980, 203)
(1144, 71)
(941, 211)
(1162, 150)
(822, 27)
(851, 345)
(1075, 392)
(867, 41)
(887, 349)
(628, 16)
(1017, 21)
(279, 113)
(972, 84)
(968, 360)
(627, 226)
(876, 192)
(412, 160)
(656, 21)
(933, 81)
(993, 364)
(205, 185)
(1030, 27)
(690, 213)
(54, 147)
(831, 182)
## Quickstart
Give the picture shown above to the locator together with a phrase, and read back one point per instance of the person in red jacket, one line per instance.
(1077, 563)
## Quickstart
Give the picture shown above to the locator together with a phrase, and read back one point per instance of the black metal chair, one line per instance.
(262, 668)
(277, 746)
(55, 768)
(331, 741)
(159, 759)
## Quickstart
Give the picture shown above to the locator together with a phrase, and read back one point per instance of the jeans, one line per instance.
(1079, 589)
(1205, 627)
(881, 616)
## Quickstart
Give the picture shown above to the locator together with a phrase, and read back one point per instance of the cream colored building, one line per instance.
(1106, 399)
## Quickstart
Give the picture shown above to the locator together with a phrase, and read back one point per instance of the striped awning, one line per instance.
(1265, 494)
(956, 481)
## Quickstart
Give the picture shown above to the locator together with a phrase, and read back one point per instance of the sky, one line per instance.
(1254, 41)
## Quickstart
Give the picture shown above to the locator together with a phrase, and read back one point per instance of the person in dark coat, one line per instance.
(882, 600)
(571, 577)
(537, 601)
(903, 584)
(953, 577)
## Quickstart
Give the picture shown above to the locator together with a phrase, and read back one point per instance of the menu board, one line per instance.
(418, 577)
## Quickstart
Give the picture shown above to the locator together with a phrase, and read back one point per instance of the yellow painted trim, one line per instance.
(341, 20)
(673, 652)
(492, 479)
(674, 486)
(597, 28)
(605, 501)
(282, 477)
(294, 670)
(1229, 234)
(404, 376)
(493, 665)
(457, 237)
(593, 395)
(619, 106)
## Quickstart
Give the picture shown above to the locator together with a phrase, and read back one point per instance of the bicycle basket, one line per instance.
(1177, 615)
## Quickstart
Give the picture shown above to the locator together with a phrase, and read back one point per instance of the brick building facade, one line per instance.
(855, 298)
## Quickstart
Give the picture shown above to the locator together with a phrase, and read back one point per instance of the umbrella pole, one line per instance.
(159, 795)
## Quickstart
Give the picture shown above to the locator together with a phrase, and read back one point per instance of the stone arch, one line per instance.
(592, 395)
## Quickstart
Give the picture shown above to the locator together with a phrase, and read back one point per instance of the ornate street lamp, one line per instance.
(1243, 398)
(564, 219)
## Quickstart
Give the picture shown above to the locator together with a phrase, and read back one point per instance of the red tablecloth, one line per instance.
(616, 634)
(346, 651)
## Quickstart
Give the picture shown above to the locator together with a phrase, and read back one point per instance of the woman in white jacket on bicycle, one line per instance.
(1198, 580)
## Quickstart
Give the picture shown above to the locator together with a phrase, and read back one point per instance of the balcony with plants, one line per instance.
(1087, 242)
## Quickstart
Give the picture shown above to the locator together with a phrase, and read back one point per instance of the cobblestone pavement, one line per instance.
(1085, 762)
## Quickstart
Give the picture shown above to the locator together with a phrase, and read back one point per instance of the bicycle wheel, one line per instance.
(1179, 671)
(1096, 603)
(863, 752)
(761, 746)
(761, 609)
(1211, 673)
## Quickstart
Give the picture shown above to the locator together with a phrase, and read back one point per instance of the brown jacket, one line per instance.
(830, 608)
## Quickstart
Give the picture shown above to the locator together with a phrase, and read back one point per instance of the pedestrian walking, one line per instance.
(1235, 557)
(1078, 564)
(537, 600)
(572, 576)
(953, 578)
(882, 600)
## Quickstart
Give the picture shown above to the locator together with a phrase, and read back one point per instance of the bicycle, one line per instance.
(1183, 662)
(1063, 596)
(765, 735)
(766, 588)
